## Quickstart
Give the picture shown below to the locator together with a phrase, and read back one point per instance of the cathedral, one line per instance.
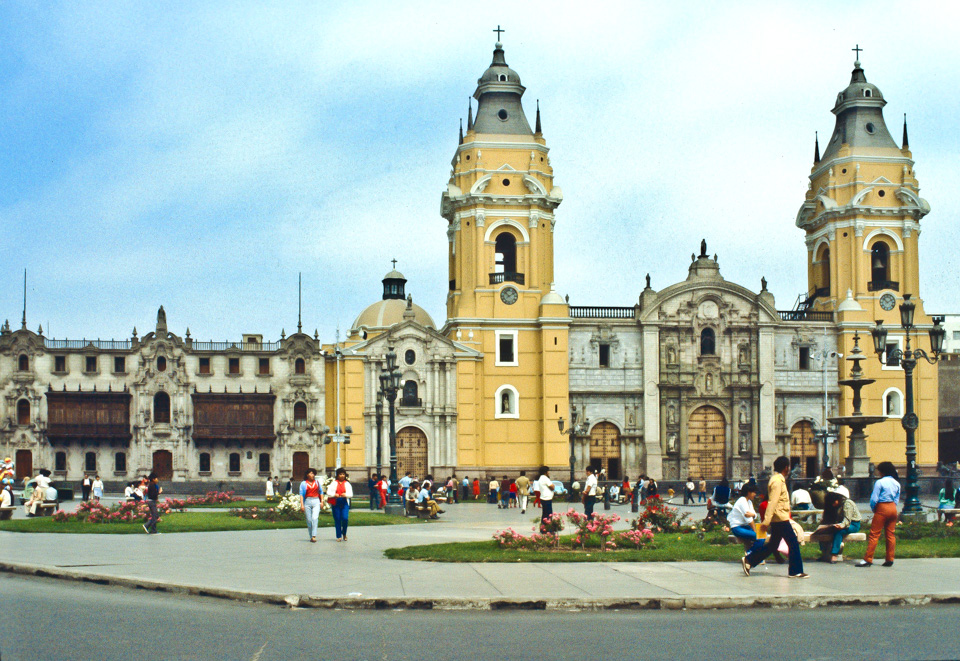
(704, 377)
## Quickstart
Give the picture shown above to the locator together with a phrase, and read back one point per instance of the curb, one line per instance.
(483, 603)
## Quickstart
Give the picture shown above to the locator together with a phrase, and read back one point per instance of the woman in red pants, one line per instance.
(883, 502)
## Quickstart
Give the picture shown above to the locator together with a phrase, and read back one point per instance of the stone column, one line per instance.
(651, 401)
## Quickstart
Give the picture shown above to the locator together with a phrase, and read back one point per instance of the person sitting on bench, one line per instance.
(742, 517)
(840, 518)
(424, 499)
(410, 496)
(42, 481)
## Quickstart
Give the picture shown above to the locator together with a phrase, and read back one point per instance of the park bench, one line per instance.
(942, 514)
(852, 537)
(6, 513)
(419, 511)
(47, 509)
(805, 514)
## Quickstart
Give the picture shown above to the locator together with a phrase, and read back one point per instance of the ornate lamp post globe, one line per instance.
(907, 358)
(389, 385)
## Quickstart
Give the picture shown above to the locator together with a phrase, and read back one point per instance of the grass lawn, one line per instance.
(192, 522)
(665, 548)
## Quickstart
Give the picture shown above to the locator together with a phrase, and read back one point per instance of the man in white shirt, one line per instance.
(800, 500)
(546, 492)
(589, 492)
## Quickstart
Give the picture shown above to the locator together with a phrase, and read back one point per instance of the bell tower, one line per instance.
(499, 206)
(861, 216)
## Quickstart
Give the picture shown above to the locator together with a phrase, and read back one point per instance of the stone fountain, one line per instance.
(858, 461)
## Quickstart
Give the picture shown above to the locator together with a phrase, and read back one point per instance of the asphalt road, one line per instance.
(51, 620)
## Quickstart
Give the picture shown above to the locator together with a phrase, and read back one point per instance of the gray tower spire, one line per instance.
(816, 148)
(469, 115)
(538, 129)
(906, 142)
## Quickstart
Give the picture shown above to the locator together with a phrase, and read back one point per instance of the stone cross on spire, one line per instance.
(857, 50)
(498, 31)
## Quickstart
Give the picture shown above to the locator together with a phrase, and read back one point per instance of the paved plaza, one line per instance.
(278, 563)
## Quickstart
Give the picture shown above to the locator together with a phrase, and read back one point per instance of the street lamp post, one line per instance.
(908, 360)
(389, 385)
(379, 412)
(823, 355)
(577, 428)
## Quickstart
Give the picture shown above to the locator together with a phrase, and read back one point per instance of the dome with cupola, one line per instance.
(395, 306)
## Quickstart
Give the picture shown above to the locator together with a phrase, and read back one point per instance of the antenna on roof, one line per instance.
(299, 301)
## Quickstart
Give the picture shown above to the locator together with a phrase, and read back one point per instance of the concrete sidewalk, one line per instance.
(281, 566)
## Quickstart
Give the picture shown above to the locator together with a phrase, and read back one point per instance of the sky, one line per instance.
(202, 155)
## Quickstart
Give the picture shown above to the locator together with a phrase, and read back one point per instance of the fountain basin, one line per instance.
(859, 420)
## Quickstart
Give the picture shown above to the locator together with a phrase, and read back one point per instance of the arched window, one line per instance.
(264, 462)
(60, 462)
(823, 281)
(161, 364)
(300, 367)
(23, 412)
(506, 257)
(506, 401)
(23, 363)
(204, 462)
(234, 462)
(893, 403)
(161, 407)
(300, 415)
(90, 462)
(120, 462)
(879, 264)
(708, 342)
(410, 392)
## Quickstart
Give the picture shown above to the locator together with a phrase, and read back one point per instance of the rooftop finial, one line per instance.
(857, 49)
(299, 302)
(538, 129)
(23, 322)
(906, 143)
(469, 115)
(498, 31)
(703, 247)
(394, 262)
(461, 131)
(816, 148)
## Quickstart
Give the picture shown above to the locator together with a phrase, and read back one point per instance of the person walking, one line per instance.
(883, 502)
(372, 487)
(688, 488)
(503, 496)
(85, 487)
(310, 502)
(465, 488)
(776, 520)
(702, 491)
(523, 491)
(589, 493)
(546, 492)
(476, 488)
(268, 491)
(405, 483)
(340, 492)
(152, 496)
(97, 489)
(493, 489)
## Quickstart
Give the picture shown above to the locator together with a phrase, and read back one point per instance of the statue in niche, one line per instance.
(780, 419)
(744, 442)
(744, 414)
(672, 442)
(671, 355)
(671, 414)
(744, 354)
(631, 418)
(505, 403)
(708, 383)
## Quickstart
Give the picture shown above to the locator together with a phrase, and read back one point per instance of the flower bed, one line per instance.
(598, 530)
(125, 512)
(287, 509)
(213, 498)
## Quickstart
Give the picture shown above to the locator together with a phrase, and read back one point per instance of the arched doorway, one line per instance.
(707, 442)
(24, 465)
(163, 464)
(803, 448)
(301, 463)
(411, 452)
(605, 449)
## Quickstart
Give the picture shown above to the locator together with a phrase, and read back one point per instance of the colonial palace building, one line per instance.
(702, 377)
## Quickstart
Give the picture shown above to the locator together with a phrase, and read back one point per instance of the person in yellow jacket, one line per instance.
(776, 520)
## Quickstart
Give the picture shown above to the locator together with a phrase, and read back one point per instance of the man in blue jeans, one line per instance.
(777, 522)
(374, 491)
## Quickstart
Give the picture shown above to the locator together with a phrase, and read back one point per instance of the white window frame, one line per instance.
(516, 348)
(898, 340)
(497, 414)
(883, 402)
